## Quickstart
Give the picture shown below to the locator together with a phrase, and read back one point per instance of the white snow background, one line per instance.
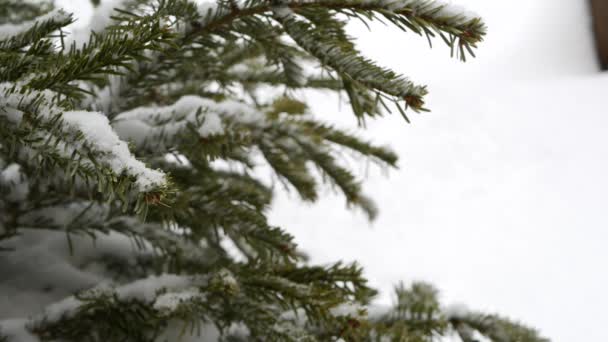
(499, 200)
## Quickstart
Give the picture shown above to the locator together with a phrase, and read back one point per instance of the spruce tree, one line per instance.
(130, 207)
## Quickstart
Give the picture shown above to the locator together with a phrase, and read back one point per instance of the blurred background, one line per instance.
(500, 196)
(500, 199)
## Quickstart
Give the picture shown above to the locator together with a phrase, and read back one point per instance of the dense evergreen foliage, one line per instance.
(127, 158)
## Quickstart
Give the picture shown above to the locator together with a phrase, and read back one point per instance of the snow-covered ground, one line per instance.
(500, 198)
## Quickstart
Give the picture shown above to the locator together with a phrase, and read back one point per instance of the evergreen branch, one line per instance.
(345, 60)
(288, 163)
(276, 78)
(494, 327)
(337, 52)
(424, 17)
(338, 175)
(171, 76)
(179, 252)
(420, 16)
(12, 11)
(86, 218)
(126, 313)
(17, 64)
(460, 30)
(291, 169)
(233, 203)
(115, 314)
(347, 279)
(418, 315)
(15, 37)
(107, 54)
(417, 14)
(341, 138)
(311, 144)
(163, 127)
(82, 143)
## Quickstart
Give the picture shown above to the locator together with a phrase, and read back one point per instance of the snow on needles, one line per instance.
(100, 20)
(114, 152)
(449, 9)
(15, 183)
(170, 301)
(66, 214)
(94, 126)
(15, 330)
(160, 125)
(207, 7)
(436, 8)
(9, 30)
(456, 310)
(180, 289)
(144, 290)
(13, 97)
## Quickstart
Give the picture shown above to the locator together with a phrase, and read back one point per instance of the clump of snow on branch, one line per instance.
(146, 289)
(100, 20)
(15, 330)
(40, 259)
(166, 292)
(102, 14)
(13, 97)
(456, 310)
(65, 214)
(14, 183)
(177, 330)
(114, 152)
(449, 9)
(10, 30)
(170, 301)
(436, 8)
(94, 127)
(207, 7)
(155, 125)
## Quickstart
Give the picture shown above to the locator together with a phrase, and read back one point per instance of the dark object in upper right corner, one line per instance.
(599, 10)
